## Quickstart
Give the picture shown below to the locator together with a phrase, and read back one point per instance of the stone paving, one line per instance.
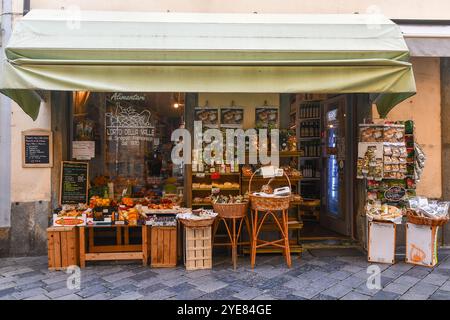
(343, 277)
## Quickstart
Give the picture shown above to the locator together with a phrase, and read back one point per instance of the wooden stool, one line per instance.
(232, 234)
(282, 224)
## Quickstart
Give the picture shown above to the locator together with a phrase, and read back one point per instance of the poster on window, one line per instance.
(231, 117)
(266, 117)
(128, 119)
(208, 116)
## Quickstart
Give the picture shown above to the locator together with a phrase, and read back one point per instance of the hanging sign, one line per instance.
(37, 148)
(395, 194)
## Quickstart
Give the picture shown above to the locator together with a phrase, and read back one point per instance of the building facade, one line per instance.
(26, 194)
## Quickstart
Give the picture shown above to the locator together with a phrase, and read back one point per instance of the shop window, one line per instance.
(125, 137)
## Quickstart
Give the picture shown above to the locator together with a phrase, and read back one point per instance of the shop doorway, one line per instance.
(331, 185)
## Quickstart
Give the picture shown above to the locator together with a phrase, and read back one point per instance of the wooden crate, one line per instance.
(163, 250)
(198, 248)
(62, 243)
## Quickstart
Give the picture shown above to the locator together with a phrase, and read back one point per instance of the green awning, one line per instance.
(192, 52)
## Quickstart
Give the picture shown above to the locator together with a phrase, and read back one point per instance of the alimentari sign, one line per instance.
(128, 120)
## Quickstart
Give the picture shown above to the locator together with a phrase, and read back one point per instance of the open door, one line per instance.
(336, 207)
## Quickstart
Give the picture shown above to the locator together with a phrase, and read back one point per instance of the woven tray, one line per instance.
(269, 203)
(231, 210)
(414, 218)
(197, 223)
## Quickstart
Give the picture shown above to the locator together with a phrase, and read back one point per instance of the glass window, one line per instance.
(126, 139)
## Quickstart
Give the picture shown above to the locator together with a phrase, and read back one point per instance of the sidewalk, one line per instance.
(310, 277)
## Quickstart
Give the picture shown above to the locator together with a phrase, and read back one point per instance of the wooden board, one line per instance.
(421, 245)
(381, 242)
(37, 148)
(62, 247)
(163, 250)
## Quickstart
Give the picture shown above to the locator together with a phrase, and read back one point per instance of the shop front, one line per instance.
(119, 86)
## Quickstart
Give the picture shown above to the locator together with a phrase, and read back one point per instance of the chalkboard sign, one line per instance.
(74, 182)
(37, 148)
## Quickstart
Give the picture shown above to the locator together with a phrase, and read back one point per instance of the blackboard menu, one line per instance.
(37, 149)
(74, 182)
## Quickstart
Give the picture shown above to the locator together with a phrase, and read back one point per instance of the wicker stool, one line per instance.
(276, 207)
(281, 220)
(236, 213)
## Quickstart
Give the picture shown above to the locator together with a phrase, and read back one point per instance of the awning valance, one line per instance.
(192, 52)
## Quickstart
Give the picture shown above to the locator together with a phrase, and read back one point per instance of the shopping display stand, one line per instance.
(237, 213)
(122, 250)
(421, 239)
(263, 207)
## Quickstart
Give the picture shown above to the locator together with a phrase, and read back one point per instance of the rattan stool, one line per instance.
(281, 220)
(235, 213)
(261, 208)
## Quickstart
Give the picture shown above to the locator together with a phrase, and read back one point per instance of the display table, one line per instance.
(121, 250)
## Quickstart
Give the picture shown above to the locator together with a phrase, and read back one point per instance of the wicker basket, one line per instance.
(197, 223)
(414, 218)
(231, 210)
(269, 203)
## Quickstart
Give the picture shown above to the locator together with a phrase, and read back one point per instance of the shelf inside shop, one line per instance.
(308, 119)
(309, 138)
(281, 154)
(309, 179)
(221, 189)
(202, 204)
(292, 224)
(309, 158)
(278, 179)
(208, 174)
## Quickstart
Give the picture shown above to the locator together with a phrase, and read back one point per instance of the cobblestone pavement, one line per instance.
(310, 277)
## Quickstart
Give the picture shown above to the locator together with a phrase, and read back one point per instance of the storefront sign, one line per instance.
(128, 120)
(395, 194)
(37, 148)
(74, 182)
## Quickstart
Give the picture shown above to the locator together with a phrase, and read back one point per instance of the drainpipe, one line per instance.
(5, 127)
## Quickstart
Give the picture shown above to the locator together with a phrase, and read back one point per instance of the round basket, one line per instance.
(414, 218)
(231, 210)
(269, 203)
(197, 223)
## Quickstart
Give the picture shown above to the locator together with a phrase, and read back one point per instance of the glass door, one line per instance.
(334, 215)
